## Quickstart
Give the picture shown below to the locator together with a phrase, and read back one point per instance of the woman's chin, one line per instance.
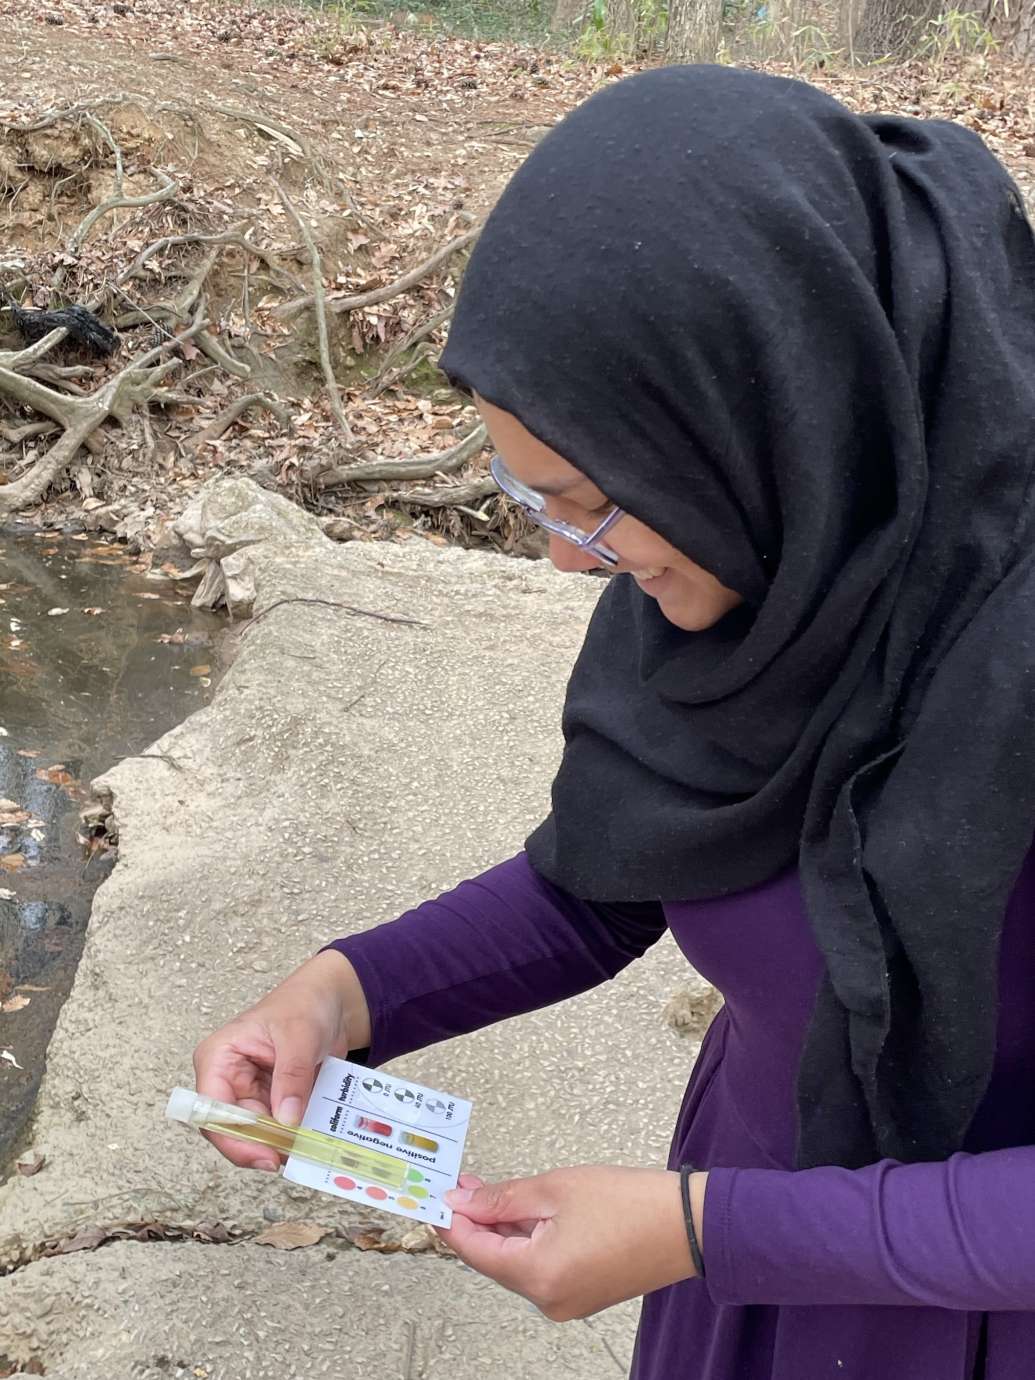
(690, 614)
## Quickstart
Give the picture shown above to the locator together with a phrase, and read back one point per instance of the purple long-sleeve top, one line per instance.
(907, 1272)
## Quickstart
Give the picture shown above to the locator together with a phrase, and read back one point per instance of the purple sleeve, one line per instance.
(958, 1234)
(496, 946)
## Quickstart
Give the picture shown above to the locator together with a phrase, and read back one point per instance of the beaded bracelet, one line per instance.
(691, 1231)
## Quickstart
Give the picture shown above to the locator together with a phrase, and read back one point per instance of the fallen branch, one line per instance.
(445, 462)
(321, 314)
(383, 294)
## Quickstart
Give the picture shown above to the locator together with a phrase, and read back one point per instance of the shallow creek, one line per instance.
(97, 659)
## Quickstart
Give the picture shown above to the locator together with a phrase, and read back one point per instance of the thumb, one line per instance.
(512, 1200)
(299, 1051)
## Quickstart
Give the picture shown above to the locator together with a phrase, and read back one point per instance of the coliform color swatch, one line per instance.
(423, 1128)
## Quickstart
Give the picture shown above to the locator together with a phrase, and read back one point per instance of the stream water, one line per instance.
(97, 660)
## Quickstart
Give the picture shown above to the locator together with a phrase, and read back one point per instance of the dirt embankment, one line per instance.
(191, 176)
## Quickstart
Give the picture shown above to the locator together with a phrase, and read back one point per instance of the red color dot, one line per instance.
(343, 1182)
(377, 1193)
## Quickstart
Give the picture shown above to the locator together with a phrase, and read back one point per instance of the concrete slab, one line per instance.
(185, 1312)
(347, 769)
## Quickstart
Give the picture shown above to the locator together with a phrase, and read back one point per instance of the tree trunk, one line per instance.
(1013, 26)
(896, 27)
(566, 14)
(623, 24)
(694, 30)
(1023, 45)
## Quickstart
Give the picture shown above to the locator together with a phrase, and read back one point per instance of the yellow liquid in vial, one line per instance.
(317, 1147)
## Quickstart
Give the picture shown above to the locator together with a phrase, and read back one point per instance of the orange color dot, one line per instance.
(407, 1202)
(377, 1193)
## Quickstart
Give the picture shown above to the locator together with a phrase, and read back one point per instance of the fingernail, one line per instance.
(457, 1196)
(269, 1166)
(290, 1111)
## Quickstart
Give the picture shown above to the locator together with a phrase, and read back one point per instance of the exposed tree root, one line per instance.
(446, 462)
(226, 419)
(319, 302)
(137, 384)
(390, 290)
(73, 402)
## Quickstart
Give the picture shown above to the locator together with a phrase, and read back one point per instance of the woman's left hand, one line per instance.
(576, 1240)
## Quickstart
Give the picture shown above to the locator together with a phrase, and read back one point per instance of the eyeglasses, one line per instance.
(533, 504)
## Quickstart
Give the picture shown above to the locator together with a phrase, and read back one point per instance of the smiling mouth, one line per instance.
(648, 575)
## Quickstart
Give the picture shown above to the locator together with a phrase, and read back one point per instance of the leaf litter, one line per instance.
(394, 138)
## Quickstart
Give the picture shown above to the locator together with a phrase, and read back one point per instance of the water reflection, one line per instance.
(79, 689)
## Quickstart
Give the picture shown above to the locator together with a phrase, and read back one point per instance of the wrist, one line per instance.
(333, 971)
(697, 1183)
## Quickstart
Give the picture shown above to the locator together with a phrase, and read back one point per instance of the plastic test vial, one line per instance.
(206, 1113)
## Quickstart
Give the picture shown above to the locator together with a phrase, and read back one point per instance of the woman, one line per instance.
(774, 365)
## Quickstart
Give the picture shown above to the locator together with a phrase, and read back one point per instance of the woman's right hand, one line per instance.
(266, 1058)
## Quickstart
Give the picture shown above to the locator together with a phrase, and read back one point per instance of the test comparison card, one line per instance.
(423, 1128)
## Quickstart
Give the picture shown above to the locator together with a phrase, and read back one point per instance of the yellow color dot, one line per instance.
(406, 1202)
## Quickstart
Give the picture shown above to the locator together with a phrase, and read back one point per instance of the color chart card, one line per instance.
(422, 1129)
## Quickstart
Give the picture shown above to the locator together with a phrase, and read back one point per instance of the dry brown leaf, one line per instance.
(31, 1162)
(27, 752)
(143, 594)
(373, 1241)
(57, 775)
(11, 862)
(15, 1003)
(200, 670)
(288, 1236)
(87, 1239)
(93, 612)
(420, 1238)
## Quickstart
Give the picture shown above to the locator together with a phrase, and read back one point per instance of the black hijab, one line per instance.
(800, 345)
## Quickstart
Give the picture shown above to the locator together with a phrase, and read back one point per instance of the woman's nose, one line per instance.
(566, 556)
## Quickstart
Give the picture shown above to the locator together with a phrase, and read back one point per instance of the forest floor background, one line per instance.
(264, 140)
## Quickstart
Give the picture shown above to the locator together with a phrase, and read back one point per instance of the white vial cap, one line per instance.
(186, 1105)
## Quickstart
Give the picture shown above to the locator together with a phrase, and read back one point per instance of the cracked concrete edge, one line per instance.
(245, 1313)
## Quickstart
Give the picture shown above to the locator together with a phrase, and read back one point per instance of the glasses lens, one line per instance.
(534, 505)
(513, 487)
